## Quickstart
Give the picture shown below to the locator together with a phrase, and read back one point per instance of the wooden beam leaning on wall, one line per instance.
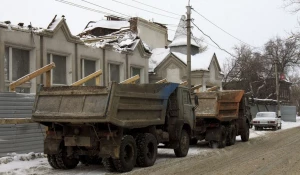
(89, 77)
(184, 83)
(46, 69)
(162, 81)
(214, 88)
(196, 87)
(130, 80)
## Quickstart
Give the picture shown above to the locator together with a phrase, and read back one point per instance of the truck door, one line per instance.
(188, 113)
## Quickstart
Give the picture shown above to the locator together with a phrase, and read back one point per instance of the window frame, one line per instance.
(10, 46)
(142, 70)
(51, 60)
(120, 69)
(83, 68)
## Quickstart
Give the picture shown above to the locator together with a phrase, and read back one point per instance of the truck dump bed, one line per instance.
(126, 105)
(221, 105)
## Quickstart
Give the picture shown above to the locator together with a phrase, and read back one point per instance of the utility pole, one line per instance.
(188, 20)
(277, 89)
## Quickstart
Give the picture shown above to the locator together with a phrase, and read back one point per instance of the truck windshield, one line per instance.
(265, 114)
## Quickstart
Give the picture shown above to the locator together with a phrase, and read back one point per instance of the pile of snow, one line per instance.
(158, 55)
(20, 157)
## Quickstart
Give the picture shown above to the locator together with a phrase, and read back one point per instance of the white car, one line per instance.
(266, 120)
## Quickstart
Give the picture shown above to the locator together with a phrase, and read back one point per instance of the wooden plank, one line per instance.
(97, 80)
(4, 121)
(162, 81)
(214, 88)
(184, 83)
(48, 79)
(89, 77)
(196, 87)
(30, 76)
(130, 80)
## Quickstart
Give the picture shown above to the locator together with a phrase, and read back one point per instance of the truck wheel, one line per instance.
(65, 162)
(128, 154)
(183, 147)
(52, 161)
(222, 141)
(146, 150)
(231, 136)
(245, 133)
(109, 164)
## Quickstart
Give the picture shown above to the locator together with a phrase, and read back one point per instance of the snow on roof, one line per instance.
(158, 55)
(55, 22)
(117, 25)
(200, 61)
(123, 40)
(24, 28)
(180, 37)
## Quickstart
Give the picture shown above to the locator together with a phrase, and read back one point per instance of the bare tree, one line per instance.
(286, 52)
(294, 5)
(245, 67)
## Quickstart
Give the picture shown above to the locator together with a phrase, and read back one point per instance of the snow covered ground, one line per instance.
(36, 163)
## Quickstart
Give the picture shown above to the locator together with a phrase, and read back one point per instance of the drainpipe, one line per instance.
(104, 68)
(42, 56)
(127, 66)
(76, 63)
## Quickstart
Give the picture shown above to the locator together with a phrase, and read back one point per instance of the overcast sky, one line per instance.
(253, 21)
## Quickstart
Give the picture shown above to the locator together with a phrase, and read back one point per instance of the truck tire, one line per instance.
(146, 150)
(245, 133)
(65, 162)
(128, 154)
(109, 164)
(184, 142)
(231, 135)
(223, 136)
(52, 161)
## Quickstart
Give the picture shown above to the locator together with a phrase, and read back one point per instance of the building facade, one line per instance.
(171, 62)
(24, 49)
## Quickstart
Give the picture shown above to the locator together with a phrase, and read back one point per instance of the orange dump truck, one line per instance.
(220, 116)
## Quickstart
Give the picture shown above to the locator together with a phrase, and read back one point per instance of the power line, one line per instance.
(105, 8)
(85, 8)
(144, 9)
(222, 29)
(156, 8)
(212, 40)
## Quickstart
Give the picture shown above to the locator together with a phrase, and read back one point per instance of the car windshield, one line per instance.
(266, 114)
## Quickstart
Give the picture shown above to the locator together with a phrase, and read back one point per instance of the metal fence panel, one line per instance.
(21, 138)
(288, 113)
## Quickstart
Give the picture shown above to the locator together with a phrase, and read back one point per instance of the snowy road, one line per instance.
(14, 166)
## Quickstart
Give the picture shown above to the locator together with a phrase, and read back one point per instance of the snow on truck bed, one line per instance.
(36, 163)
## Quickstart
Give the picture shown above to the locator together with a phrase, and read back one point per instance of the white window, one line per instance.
(59, 73)
(88, 67)
(114, 72)
(17, 65)
(136, 71)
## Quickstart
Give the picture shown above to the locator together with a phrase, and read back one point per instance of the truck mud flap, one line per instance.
(51, 146)
(213, 134)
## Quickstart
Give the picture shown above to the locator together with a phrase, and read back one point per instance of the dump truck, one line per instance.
(122, 124)
(220, 116)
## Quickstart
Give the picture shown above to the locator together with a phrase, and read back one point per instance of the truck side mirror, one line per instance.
(196, 100)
